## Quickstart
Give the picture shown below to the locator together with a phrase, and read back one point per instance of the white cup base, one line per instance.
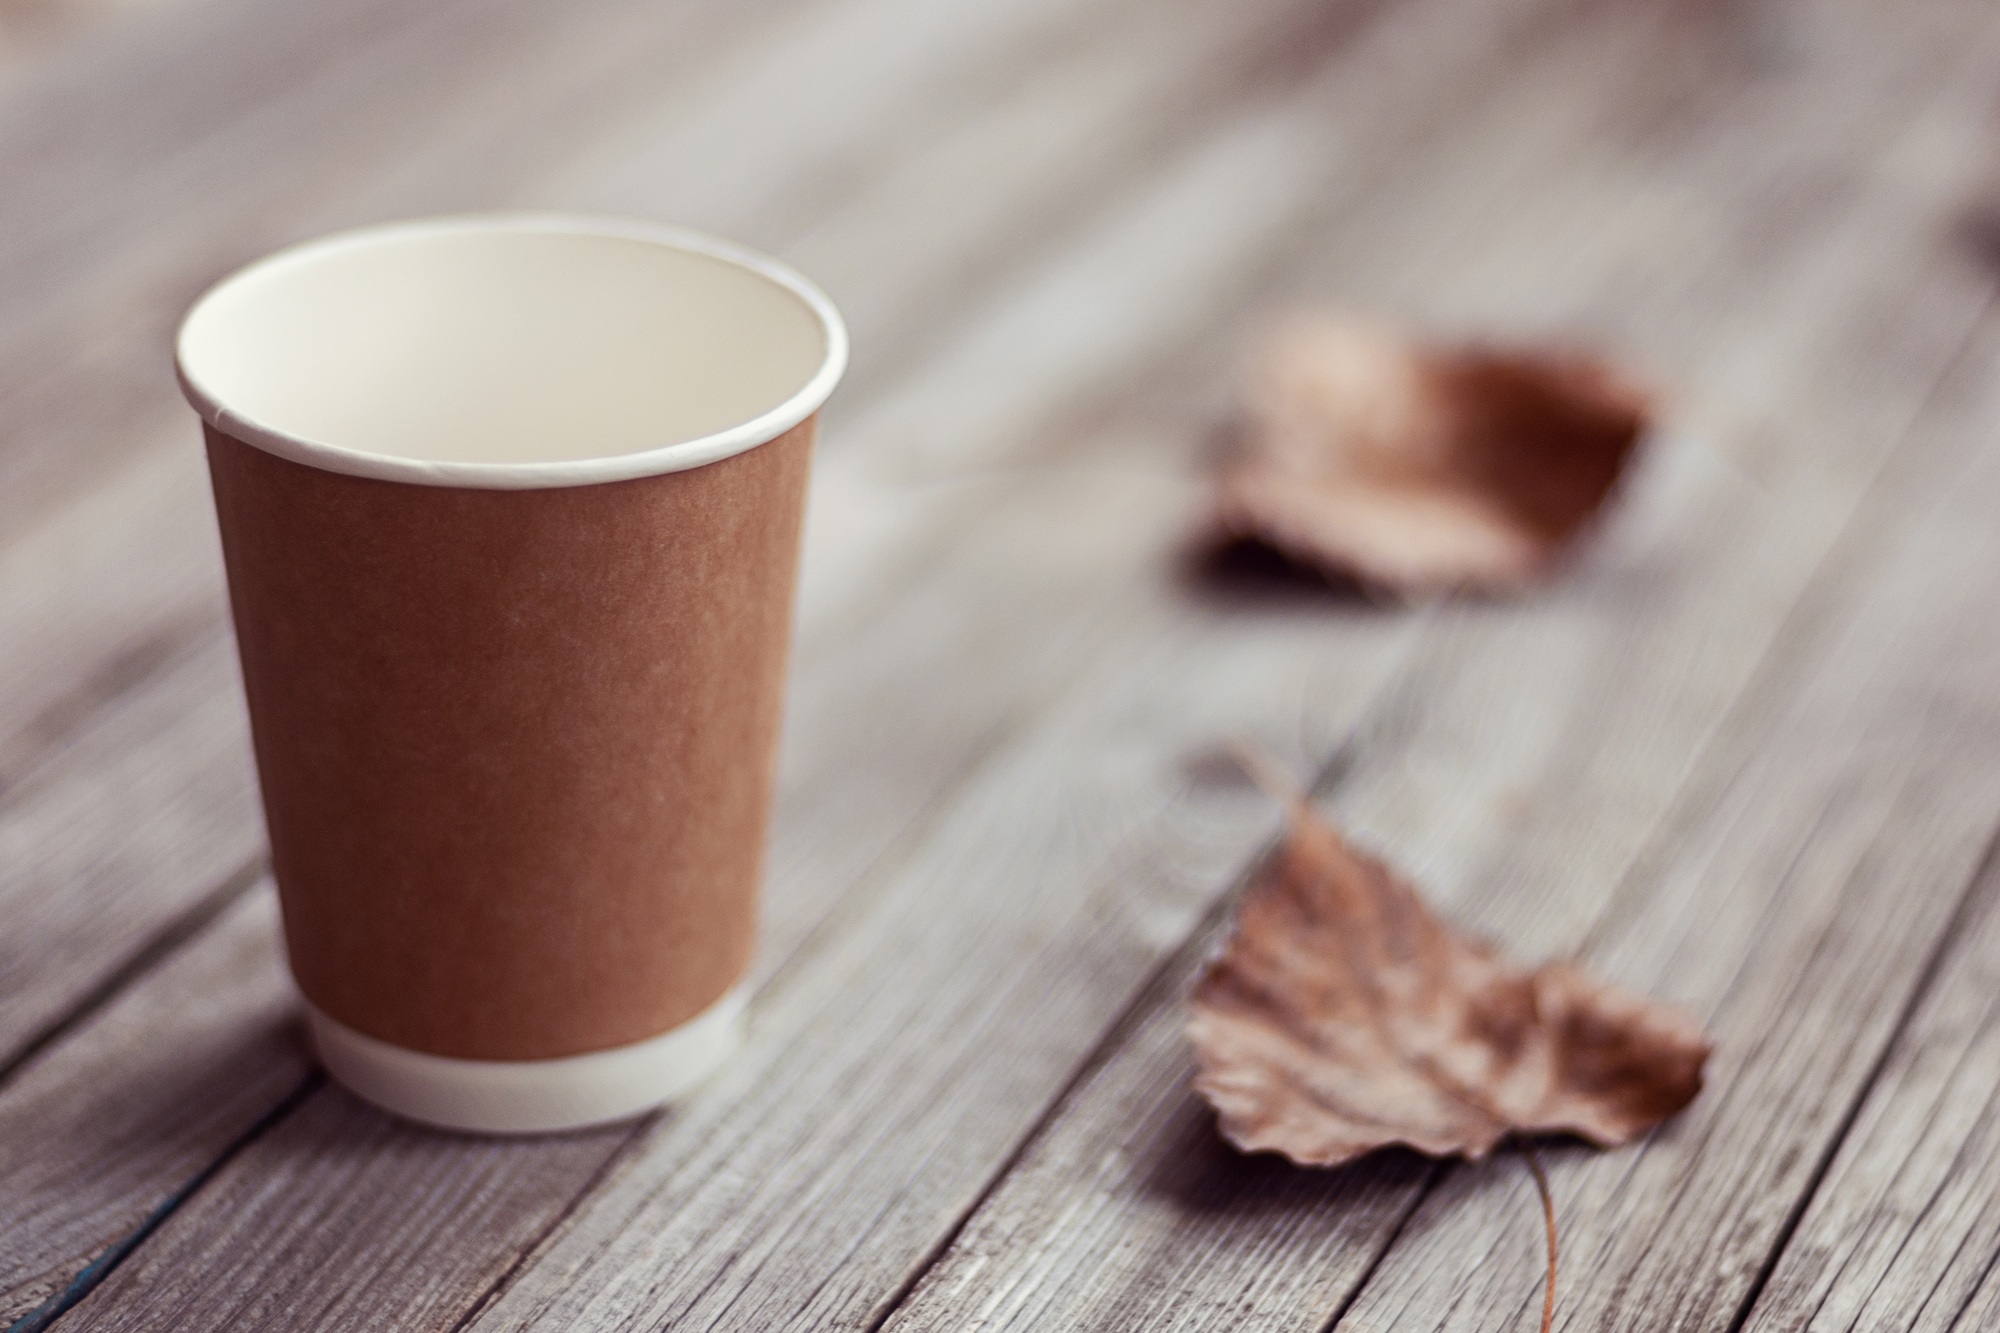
(531, 1096)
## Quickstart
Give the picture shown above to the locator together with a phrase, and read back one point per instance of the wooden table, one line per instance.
(1744, 754)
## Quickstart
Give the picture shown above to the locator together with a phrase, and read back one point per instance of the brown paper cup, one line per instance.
(510, 507)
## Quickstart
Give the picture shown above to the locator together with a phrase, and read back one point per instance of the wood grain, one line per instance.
(152, 802)
(1041, 843)
(1902, 1233)
(641, 1217)
(84, 1141)
(98, 597)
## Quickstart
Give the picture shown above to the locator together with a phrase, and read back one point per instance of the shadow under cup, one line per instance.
(511, 509)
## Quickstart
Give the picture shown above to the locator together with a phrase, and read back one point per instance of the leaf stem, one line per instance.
(1548, 1216)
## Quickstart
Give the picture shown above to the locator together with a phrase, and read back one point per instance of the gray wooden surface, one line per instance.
(1744, 754)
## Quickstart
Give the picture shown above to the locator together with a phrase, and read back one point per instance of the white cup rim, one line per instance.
(676, 457)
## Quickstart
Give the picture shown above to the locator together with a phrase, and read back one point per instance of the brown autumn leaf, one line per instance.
(1344, 1017)
(1422, 469)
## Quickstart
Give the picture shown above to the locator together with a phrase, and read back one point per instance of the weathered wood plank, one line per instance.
(951, 229)
(155, 793)
(1902, 1232)
(68, 1129)
(715, 1199)
(97, 597)
(1128, 1211)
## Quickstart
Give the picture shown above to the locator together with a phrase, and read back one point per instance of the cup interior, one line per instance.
(500, 343)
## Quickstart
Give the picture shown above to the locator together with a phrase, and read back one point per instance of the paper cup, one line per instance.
(510, 507)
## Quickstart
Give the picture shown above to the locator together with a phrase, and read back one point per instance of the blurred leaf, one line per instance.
(1422, 469)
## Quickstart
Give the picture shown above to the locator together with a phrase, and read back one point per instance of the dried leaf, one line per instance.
(1343, 1017)
(1422, 469)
